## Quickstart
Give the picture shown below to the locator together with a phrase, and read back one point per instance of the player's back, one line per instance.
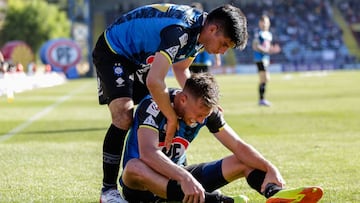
(138, 32)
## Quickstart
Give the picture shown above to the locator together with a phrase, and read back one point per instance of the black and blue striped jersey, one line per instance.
(148, 115)
(168, 28)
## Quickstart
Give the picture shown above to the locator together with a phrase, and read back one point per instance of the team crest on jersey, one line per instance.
(150, 121)
(172, 51)
(118, 71)
(183, 40)
(153, 109)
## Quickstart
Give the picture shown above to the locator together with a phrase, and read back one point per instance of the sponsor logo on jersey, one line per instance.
(153, 109)
(172, 51)
(150, 121)
(183, 40)
(120, 82)
(177, 149)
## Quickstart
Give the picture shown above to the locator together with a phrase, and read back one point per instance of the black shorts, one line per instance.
(260, 65)
(208, 174)
(115, 75)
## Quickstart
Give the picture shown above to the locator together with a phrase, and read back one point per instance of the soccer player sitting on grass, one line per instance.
(151, 173)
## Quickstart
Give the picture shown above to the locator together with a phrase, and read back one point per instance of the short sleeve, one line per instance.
(215, 121)
(173, 38)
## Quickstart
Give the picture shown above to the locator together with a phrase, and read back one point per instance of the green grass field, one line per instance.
(51, 139)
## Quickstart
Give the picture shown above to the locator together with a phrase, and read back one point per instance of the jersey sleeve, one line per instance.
(148, 115)
(173, 38)
(215, 121)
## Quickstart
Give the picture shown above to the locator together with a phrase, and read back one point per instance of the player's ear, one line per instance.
(183, 97)
(213, 28)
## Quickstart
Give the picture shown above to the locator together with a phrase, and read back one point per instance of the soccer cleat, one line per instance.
(264, 102)
(311, 194)
(111, 196)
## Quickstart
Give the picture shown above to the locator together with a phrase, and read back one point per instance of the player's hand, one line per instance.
(273, 176)
(193, 191)
(171, 126)
(274, 49)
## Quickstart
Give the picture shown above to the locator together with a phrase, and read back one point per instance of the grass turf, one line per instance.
(52, 151)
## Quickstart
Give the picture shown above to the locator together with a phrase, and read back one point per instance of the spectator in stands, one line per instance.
(262, 49)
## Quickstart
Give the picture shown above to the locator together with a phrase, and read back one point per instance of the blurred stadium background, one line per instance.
(322, 114)
(313, 34)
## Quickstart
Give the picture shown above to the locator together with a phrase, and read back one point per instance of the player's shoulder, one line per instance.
(266, 35)
(148, 106)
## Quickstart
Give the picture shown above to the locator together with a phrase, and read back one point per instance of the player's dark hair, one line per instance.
(232, 22)
(203, 85)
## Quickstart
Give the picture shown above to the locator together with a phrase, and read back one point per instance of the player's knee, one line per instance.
(122, 112)
(122, 120)
(134, 169)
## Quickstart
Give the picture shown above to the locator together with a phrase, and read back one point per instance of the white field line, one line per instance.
(40, 114)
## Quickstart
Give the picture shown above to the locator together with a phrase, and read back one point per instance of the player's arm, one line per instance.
(249, 155)
(155, 82)
(266, 47)
(171, 41)
(151, 155)
(261, 47)
(181, 70)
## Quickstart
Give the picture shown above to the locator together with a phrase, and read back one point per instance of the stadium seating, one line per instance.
(305, 30)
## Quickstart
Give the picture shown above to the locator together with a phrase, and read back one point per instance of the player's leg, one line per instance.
(263, 79)
(138, 179)
(277, 194)
(121, 113)
(115, 89)
(232, 169)
(121, 110)
(211, 176)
